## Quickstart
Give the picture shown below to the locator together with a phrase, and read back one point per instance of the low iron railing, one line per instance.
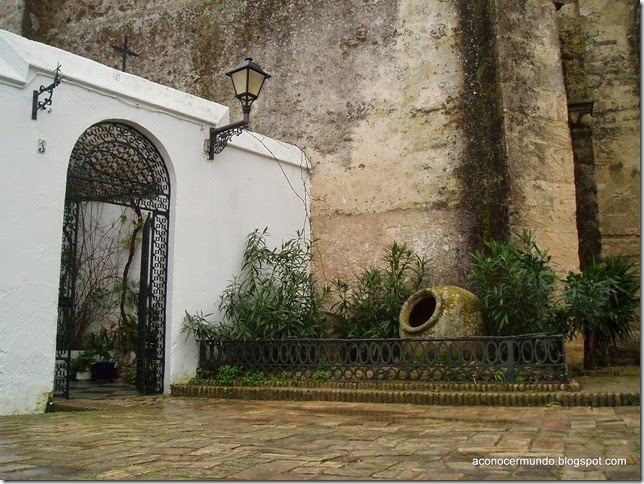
(516, 359)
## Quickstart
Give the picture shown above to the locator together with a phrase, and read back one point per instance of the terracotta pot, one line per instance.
(441, 311)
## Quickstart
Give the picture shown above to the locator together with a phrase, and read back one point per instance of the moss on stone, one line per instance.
(483, 170)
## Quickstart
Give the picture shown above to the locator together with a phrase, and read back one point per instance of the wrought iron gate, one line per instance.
(115, 164)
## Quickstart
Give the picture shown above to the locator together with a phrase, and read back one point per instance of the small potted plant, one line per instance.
(81, 365)
(101, 345)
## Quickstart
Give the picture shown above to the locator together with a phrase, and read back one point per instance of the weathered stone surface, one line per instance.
(442, 311)
(600, 45)
(11, 13)
(356, 241)
(428, 122)
(609, 73)
(541, 169)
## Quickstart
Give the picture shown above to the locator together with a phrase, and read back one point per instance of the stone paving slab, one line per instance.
(168, 438)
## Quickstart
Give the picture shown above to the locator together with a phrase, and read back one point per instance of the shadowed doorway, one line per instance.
(115, 176)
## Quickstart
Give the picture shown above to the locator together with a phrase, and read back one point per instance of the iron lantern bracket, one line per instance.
(37, 105)
(219, 137)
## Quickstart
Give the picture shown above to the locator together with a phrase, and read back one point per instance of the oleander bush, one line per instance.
(514, 281)
(274, 297)
(523, 295)
(602, 303)
(369, 306)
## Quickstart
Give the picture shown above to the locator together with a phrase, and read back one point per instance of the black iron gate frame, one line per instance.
(115, 164)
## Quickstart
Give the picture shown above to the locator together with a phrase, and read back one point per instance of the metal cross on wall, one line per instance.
(125, 52)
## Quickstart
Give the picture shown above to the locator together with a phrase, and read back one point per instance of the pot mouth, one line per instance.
(421, 311)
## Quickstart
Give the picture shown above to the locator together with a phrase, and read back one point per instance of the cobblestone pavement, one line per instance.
(167, 438)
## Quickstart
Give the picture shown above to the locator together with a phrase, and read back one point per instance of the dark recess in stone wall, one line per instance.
(636, 38)
(38, 17)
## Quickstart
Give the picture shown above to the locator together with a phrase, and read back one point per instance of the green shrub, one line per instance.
(83, 361)
(100, 344)
(321, 376)
(251, 378)
(369, 307)
(516, 285)
(131, 373)
(275, 381)
(228, 374)
(275, 297)
(198, 326)
(602, 302)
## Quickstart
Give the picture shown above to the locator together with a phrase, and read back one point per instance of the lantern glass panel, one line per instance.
(239, 79)
(255, 82)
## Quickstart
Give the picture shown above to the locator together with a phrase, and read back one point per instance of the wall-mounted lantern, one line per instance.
(248, 79)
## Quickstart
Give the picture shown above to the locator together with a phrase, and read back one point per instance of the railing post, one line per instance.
(511, 371)
(202, 354)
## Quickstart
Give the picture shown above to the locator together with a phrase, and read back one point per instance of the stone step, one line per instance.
(419, 397)
(415, 385)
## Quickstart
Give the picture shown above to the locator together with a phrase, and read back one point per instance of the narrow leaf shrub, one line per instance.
(275, 297)
(514, 281)
(603, 303)
(369, 306)
(198, 326)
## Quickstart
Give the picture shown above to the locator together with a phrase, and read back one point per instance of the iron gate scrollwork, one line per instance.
(115, 164)
(66, 296)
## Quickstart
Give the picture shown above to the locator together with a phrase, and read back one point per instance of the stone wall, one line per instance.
(600, 44)
(11, 14)
(370, 91)
(538, 144)
(580, 107)
(600, 41)
(432, 122)
(611, 35)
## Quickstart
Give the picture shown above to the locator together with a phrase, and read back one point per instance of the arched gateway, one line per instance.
(115, 164)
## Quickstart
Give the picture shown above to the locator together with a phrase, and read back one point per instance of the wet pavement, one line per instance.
(168, 438)
(100, 389)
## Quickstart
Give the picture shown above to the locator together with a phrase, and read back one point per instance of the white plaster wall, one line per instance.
(236, 193)
(215, 204)
(104, 227)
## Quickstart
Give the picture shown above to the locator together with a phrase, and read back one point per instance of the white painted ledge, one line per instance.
(19, 56)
